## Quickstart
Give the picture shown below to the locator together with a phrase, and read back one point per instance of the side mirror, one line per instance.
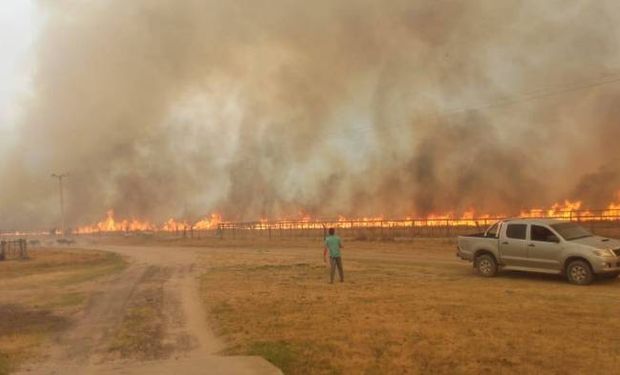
(552, 238)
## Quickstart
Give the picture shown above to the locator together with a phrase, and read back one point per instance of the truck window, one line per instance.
(492, 232)
(571, 231)
(538, 233)
(516, 231)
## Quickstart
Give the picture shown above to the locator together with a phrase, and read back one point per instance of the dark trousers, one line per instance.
(336, 262)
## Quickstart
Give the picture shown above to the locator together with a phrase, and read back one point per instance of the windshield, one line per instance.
(571, 231)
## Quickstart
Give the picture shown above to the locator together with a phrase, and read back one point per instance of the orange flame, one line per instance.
(567, 210)
(211, 222)
(111, 224)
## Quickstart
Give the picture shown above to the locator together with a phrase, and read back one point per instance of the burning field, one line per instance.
(204, 148)
(570, 211)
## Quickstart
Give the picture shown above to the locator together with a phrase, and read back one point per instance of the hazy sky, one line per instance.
(18, 26)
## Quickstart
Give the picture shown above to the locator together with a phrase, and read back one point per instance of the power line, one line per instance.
(535, 94)
(60, 178)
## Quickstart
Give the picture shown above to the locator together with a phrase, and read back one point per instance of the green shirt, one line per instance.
(333, 245)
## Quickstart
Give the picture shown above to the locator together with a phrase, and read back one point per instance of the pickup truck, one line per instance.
(542, 245)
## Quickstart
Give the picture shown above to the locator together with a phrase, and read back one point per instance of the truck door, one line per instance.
(544, 248)
(513, 245)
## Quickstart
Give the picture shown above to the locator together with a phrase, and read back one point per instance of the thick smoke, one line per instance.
(178, 108)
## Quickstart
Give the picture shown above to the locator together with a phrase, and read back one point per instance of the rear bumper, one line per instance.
(463, 255)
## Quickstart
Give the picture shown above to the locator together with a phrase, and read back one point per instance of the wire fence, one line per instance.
(604, 222)
(14, 249)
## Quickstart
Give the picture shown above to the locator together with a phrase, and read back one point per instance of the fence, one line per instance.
(13, 249)
(603, 222)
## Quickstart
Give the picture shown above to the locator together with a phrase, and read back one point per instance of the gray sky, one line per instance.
(18, 27)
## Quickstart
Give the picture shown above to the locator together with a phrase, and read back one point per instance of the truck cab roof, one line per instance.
(534, 221)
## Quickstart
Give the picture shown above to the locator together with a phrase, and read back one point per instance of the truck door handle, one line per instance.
(531, 245)
(505, 243)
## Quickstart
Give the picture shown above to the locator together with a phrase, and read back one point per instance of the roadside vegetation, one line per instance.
(406, 308)
(40, 295)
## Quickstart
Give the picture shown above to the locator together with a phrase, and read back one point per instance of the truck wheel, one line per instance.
(486, 265)
(579, 272)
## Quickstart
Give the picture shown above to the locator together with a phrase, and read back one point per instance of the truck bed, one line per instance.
(482, 234)
(467, 245)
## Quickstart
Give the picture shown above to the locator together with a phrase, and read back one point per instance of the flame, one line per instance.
(172, 225)
(211, 222)
(558, 210)
(567, 210)
(111, 224)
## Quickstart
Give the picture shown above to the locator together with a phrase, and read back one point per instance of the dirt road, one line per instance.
(162, 282)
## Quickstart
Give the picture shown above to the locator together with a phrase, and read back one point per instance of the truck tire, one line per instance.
(579, 272)
(486, 265)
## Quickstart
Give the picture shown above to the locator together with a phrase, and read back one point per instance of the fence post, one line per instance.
(23, 249)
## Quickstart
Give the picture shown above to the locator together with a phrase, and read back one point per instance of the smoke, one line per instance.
(168, 108)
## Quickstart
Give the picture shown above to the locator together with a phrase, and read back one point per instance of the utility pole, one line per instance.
(60, 177)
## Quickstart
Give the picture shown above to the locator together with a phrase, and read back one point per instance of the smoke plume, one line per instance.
(179, 108)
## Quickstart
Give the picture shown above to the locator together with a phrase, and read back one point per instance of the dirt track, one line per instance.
(190, 346)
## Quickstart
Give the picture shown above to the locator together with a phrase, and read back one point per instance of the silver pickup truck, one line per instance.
(541, 245)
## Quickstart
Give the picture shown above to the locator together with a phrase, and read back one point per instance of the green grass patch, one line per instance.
(291, 358)
(279, 353)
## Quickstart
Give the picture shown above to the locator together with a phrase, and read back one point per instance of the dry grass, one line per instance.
(141, 333)
(406, 308)
(40, 295)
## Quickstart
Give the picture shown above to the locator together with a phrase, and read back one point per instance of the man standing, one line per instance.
(333, 244)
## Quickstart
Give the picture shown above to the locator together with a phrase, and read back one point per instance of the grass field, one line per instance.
(405, 308)
(40, 295)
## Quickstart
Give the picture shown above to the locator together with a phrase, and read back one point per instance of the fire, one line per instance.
(558, 210)
(573, 211)
(172, 225)
(567, 210)
(111, 224)
(211, 222)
